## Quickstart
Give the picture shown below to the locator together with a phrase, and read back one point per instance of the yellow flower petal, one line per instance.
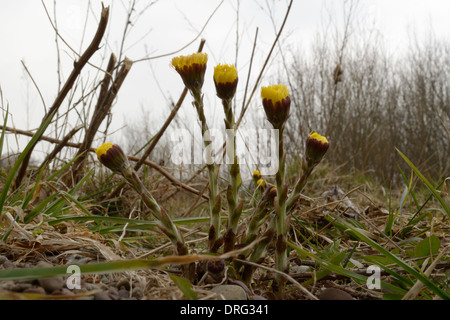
(318, 137)
(275, 93)
(103, 149)
(181, 62)
(225, 73)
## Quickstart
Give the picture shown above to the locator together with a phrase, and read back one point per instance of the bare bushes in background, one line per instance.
(380, 102)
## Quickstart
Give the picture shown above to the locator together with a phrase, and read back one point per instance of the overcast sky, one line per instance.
(166, 26)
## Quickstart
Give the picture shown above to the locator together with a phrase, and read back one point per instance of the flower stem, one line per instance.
(306, 172)
(234, 206)
(213, 190)
(280, 211)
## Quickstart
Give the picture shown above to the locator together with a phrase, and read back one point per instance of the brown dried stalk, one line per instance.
(102, 109)
(78, 66)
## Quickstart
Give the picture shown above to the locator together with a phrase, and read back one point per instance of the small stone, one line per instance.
(334, 294)
(50, 284)
(63, 291)
(101, 295)
(19, 287)
(113, 291)
(230, 292)
(90, 286)
(8, 265)
(123, 283)
(124, 294)
(300, 269)
(137, 293)
(105, 280)
(3, 259)
(38, 290)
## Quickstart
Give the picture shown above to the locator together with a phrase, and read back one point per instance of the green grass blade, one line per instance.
(185, 286)
(427, 183)
(29, 196)
(179, 221)
(416, 274)
(39, 208)
(2, 137)
(100, 268)
(19, 161)
(350, 274)
(63, 168)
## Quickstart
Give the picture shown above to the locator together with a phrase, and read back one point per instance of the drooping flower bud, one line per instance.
(276, 102)
(256, 175)
(225, 80)
(112, 156)
(191, 69)
(316, 147)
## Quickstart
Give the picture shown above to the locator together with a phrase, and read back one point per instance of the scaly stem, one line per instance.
(306, 172)
(163, 219)
(213, 191)
(280, 211)
(234, 207)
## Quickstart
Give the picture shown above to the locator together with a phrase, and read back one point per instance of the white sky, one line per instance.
(27, 35)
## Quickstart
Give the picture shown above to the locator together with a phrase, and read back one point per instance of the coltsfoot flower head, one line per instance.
(256, 175)
(261, 183)
(316, 147)
(225, 80)
(276, 102)
(112, 156)
(191, 69)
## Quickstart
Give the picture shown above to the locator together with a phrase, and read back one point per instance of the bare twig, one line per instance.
(158, 136)
(188, 44)
(131, 158)
(288, 277)
(78, 66)
(102, 108)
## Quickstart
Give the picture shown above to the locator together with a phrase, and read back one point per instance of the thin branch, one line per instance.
(188, 44)
(35, 85)
(78, 66)
(288, 277)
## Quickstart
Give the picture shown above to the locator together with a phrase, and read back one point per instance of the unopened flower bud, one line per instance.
(276, 102)
(225, 80)
(191, 69)
(112, 156)
(316, 147)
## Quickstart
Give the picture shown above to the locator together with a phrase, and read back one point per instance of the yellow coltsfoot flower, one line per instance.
(191, 69)
(225, 80)
(316, 147)
(261, 183)
(256, 175)
(276, 102)
(112, 156)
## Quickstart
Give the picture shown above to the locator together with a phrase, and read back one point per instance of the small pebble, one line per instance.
(124, 294)
(19, 287)
(8, 265)
(50, 284)
(334, 294)
(137, 293)
(63, 292)
(38, 290)
(300, 269)
(123, 283)
(230, 292)
(101, 295)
